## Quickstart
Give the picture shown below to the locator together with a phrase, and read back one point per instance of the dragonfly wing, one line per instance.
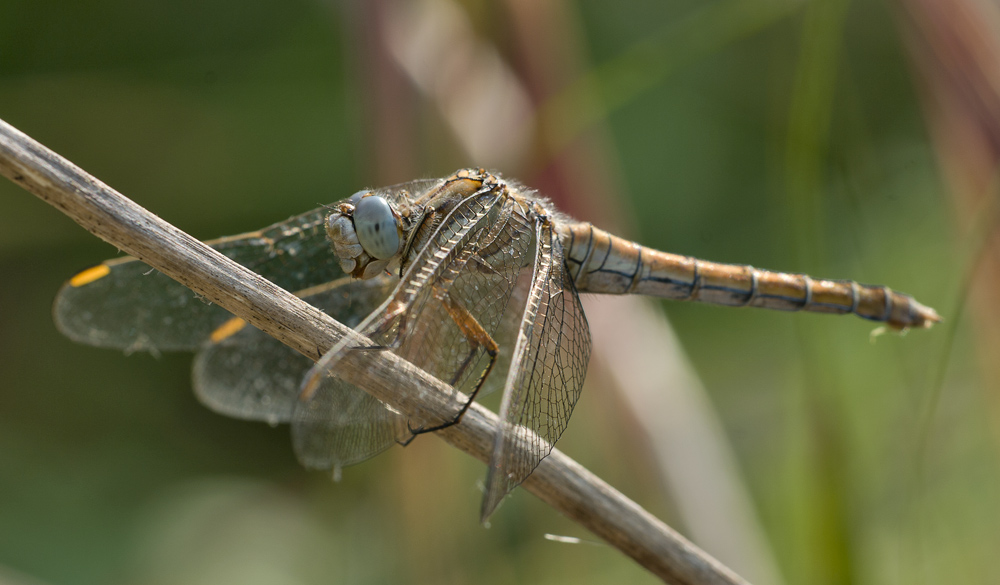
(342, 424)
(506, 335)
(546, 375)
(249, 375)
(245, 373)
(132, 307)
(125, 304)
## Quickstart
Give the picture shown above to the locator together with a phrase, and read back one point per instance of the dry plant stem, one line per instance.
(558, 481)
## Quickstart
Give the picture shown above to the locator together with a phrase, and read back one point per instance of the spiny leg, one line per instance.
(477, 337)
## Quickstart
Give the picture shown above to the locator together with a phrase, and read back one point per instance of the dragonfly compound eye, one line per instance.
(353, 199)
(376, 227)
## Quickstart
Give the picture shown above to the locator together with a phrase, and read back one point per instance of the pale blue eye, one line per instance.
(353, 199)
(376, 227)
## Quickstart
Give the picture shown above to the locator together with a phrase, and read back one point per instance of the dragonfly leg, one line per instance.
(478, 338)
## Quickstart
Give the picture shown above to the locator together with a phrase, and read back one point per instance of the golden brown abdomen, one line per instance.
(600, 262)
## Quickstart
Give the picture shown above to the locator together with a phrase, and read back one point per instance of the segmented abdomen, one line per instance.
(600, 262)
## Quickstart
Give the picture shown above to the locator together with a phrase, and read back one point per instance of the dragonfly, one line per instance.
(472, 278)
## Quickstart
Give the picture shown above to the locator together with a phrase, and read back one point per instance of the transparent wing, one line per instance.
(506, 335)
(125, 304)
(546, 373)
(462, 280)
(342, 425)
(245, 373)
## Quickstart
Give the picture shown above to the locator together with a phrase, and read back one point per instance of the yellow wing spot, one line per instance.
(90, 275)
(228, 329)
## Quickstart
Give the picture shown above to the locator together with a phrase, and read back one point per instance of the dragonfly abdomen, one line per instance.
(600, 262)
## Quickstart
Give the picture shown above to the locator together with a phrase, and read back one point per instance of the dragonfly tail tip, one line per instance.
(926, 316)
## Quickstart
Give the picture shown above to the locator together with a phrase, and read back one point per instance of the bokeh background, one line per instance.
(846, 139)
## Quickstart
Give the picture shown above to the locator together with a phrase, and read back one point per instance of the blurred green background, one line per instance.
(788, 135)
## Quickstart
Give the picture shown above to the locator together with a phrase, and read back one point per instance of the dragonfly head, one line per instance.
(367, 234)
